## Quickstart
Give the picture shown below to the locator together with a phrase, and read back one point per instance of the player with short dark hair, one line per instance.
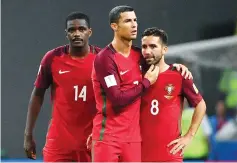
(67, 70)
(78, 15)
(115, 13)
(162, 104)
(118, 86)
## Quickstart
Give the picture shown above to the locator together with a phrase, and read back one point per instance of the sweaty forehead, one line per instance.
(76, 23)
(128, 15)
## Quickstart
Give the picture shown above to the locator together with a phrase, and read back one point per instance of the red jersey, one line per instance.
(72, 97)
(118, 85)
(161, 112)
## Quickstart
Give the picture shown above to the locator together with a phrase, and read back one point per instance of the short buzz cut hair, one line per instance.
(114, 14)
(154, 31)
(78, 15)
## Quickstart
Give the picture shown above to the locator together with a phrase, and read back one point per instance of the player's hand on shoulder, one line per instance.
(184, 71)
(30, 147)
(180, 144)
(89, 142)
(152, 74)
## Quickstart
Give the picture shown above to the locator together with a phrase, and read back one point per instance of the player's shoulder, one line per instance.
(174, 72)
(49, 55)
(106, 51)
(172, 69)
(136, 49)
(178, 74)
(95, 49)
(63, 49)
(105, 55)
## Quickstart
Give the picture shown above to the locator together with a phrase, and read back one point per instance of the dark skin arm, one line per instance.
(35, 103)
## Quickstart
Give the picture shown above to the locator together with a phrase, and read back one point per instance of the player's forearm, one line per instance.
(122, 98)
(34, 107)
(109, 77)
(197, 117)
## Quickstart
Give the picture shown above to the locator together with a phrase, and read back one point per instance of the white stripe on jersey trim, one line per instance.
(110, 81)
(39, 70)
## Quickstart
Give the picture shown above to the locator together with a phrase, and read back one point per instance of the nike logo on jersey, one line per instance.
(62, 72)
(123, 72)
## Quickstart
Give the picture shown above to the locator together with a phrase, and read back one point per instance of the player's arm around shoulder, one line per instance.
(107, 74)
(183, 70)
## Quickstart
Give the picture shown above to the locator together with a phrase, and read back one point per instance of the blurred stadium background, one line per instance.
(201, 35)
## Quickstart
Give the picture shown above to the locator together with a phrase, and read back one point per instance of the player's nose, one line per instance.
(134, 24)
(77, 33)
(146, 54)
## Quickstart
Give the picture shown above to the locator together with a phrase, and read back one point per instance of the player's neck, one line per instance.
(163, 66)
(79, 51)
(122, 46)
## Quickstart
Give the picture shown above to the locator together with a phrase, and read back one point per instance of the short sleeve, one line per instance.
(191, 92)
(44, 76)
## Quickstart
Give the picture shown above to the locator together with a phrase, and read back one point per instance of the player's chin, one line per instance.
(150, 61)
(78, 45)
(131, 37)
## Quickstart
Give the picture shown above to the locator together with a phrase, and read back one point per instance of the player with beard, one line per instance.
(162, 104)
(67, 70)
(118, 85)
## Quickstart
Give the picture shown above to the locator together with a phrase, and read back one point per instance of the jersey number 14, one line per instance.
(82, 93)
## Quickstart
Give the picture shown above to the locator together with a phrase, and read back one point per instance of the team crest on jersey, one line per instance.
(169, 89)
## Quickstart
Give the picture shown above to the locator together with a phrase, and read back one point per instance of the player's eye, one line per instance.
(82, 29)
(70, 30)
(127, 20)
(153, 46)
(144, 46)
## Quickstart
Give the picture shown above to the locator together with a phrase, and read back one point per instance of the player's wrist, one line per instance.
(28, 134)
(146, 83)
(190, 135)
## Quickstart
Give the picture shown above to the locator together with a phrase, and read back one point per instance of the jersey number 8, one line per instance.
(154, 107)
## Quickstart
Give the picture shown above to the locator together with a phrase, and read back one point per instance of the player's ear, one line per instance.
(66, 33)
(165, 49)
(114, 26)
(90, 32)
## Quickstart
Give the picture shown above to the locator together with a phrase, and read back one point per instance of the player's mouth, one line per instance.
(134, 32)
(149, 60)
(77, 40)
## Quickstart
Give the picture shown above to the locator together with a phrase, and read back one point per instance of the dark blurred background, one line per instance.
(32, 27)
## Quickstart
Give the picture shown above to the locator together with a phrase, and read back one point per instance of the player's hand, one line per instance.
(184, 71)
(89, 142)
(152, 74)
(180, 144)
(30, 147)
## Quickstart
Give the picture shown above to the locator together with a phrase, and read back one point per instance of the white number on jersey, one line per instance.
(82, 93)
(154, 107)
